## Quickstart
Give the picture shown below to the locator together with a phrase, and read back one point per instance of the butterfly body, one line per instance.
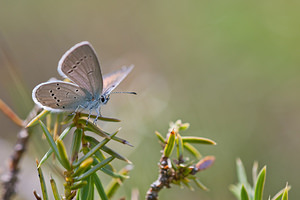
(88, 89)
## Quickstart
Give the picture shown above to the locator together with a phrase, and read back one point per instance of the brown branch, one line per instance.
(164, 179)
(168, 174)
(10, 178)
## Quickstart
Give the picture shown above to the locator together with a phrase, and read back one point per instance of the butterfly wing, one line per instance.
(59, 96)
(112, 80)
(80, 64)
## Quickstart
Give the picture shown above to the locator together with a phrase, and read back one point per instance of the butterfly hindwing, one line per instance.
(59, 96)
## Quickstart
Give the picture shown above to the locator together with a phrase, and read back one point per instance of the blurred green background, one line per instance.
(230, 68)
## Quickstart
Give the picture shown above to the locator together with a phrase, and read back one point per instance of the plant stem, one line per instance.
(164, 179)
(10, 178)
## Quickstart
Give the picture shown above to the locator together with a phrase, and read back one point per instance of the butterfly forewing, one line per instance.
(112, 80)
(80, 65)
(59, 96)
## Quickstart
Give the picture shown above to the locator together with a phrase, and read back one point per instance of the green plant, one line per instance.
(180, 170)
(244, 191)
(86, 157)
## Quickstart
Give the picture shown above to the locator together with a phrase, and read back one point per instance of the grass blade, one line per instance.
(115, 183)
(170, 144)
(11, 114)
(50, 151)
(76, 142)
(259, 186)
(179, 147)
(42, 182)
(279, 195)
(160, 137)
(40, 116)
(198, 140)
(241, 172)
(93, 150)
(106, 149)
(94, 169)
(50, 139)
(54, 189)
(64, 160)
(99, 187)
(244, 193)
(192, 150)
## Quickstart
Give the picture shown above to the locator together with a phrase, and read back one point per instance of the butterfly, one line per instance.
(89, 90)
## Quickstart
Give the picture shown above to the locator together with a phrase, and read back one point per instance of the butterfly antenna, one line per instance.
(124, 92)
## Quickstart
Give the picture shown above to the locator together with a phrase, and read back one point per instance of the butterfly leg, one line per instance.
(76, 110)
(98, 115)
(90, 112)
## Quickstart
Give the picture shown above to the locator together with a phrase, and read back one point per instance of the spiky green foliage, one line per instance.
(86, 157)
(179, 170)
(244, 191)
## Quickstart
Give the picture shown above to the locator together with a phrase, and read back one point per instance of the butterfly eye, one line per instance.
(102, 99)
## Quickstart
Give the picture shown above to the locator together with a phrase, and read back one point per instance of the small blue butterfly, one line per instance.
(88, 90)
